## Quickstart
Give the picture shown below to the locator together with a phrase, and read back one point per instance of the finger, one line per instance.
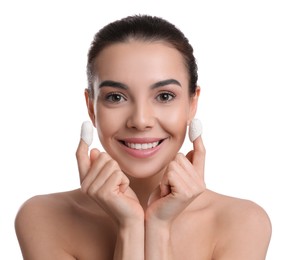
(82, 150)
(195, 129)
(83, 160)
(165, 187)
(116, 183)
(87, 132)
(172, 184)
(198, 156)
(190, 156)
(183, 164)
(172, 179)
(186, 170)
(99, 174)
(189, 174)
(95, 168)
(94, 153)
(199, 145)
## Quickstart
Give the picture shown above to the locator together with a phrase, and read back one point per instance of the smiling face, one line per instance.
(142, 105)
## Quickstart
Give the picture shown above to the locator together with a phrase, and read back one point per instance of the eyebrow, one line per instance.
(111, 83)
(165, 83)
(115, 84)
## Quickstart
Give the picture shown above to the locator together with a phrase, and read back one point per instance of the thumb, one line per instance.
(199, 155)
(195, 129)
(83, 159)
(86, 133)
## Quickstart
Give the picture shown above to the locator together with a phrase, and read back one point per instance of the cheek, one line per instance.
(107, 122)
(175, 120)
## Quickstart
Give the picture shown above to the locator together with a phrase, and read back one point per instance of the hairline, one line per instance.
(126, 40)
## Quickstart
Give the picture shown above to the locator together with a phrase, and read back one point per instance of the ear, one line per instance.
(90, 107)
(194, 104)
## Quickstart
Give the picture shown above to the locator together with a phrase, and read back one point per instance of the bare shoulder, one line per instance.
(236, 209)
(46, 208)
(57, 226)
(37, 223)
(244, 228)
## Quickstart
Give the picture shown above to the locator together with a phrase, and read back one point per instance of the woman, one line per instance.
(141, 199)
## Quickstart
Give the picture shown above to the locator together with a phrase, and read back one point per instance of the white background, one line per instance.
(240, 49)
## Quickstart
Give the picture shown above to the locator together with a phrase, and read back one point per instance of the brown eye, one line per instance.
(115, 98)
(165, 97)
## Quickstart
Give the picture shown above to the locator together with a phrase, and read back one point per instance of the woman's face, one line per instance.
(142, 105)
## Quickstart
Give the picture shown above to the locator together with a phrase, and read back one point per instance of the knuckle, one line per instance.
(102, 194)
(78, 154)
(178, 158)
(104, 156)
(91, 191)
(112, 163)
(84, 188)
(171, 174)
(172, 165)
(117, 173)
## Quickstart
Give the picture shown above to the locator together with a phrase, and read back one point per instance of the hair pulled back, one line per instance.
(144, 28)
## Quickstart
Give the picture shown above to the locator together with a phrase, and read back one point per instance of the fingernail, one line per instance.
(87, 132)
(195, 129)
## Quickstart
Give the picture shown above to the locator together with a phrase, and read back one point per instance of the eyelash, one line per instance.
(109, 97)
(170, 94)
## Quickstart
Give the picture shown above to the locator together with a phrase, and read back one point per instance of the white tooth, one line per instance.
(142, 146)
(138, 146)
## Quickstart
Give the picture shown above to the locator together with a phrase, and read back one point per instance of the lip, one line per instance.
(141, 140)
(144, 153)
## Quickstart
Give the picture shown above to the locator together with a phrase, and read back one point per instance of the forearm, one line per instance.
(130, 242)
(158, 242)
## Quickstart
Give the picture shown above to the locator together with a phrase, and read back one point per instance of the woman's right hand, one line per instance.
(103, 181)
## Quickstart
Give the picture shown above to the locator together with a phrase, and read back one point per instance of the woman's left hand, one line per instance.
(182, 182)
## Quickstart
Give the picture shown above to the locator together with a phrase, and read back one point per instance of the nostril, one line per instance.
(141, 117)
(140, 124)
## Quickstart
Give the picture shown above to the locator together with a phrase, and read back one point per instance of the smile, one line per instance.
(141, 147)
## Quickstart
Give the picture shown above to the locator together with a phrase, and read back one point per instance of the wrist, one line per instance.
(158, 244)
(153, 221)
(131, 223)
(130, 241)
(158, 228)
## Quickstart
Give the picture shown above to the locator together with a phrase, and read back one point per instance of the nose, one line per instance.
(141, 117)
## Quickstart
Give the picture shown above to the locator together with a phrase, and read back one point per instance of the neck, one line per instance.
(144, 187)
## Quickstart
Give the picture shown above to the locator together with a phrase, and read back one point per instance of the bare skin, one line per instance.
(142, 203)
(71, 226)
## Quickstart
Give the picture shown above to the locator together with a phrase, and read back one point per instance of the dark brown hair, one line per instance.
(145, 28)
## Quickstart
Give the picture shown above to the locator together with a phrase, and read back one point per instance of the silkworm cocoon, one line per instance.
(87, 132)
(195, 129)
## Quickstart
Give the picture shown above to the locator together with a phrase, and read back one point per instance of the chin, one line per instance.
(143, 170)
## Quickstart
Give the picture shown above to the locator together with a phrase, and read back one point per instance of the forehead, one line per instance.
(138, 59)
